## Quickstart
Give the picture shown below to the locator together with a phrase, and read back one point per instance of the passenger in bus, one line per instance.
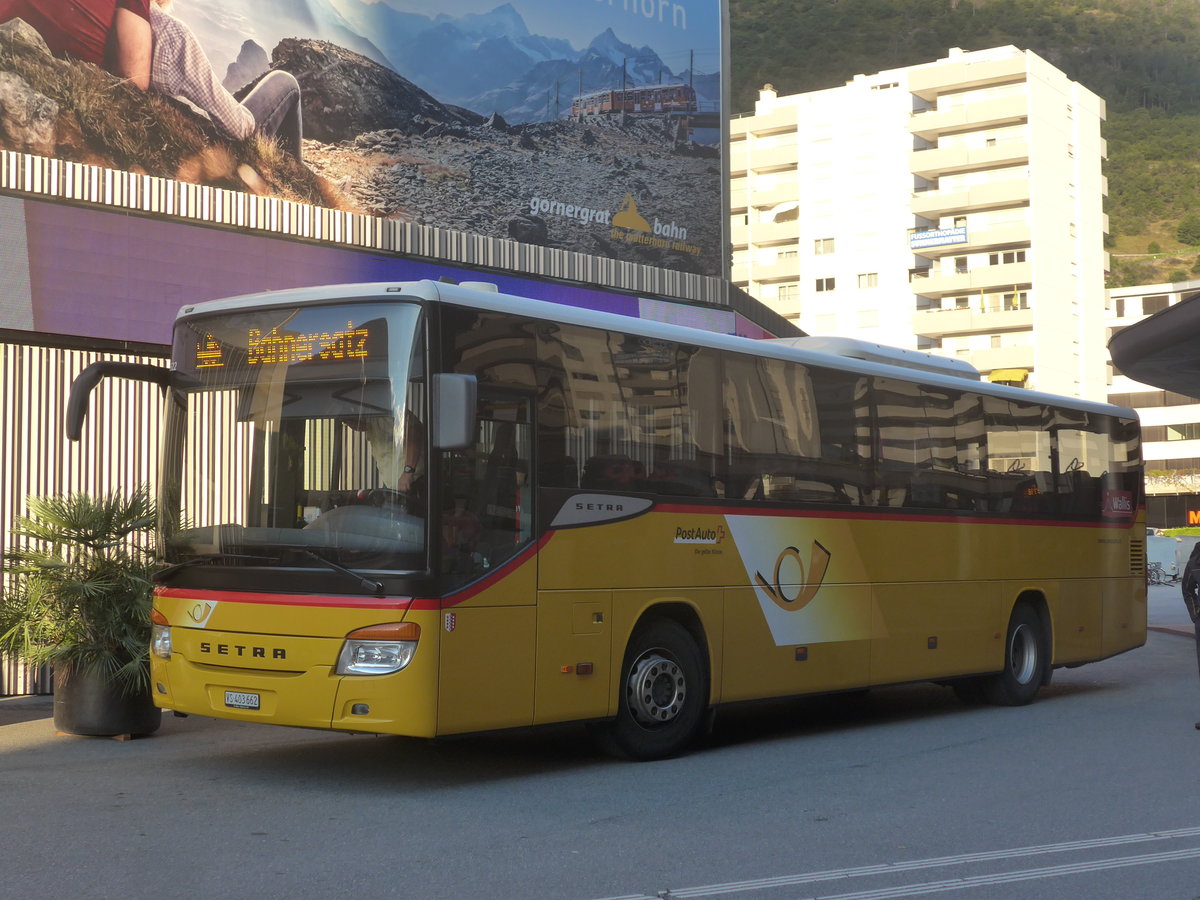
(670, 476)
(612, 473)
(460, 527)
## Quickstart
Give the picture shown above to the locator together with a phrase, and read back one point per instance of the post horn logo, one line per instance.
(809, 581)
(199, 612)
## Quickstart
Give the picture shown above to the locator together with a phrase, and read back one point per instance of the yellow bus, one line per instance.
(429, 509)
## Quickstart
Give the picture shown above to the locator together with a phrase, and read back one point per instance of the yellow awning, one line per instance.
(1008, 375)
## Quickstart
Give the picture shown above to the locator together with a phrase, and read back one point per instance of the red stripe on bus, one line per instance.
(487, 581)
(338, 602)
(972, 518)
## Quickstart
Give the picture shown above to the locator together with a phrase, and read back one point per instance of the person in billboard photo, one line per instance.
(112, 34)
(181, 68)
(139, 40)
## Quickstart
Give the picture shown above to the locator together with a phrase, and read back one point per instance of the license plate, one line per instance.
(241, 700)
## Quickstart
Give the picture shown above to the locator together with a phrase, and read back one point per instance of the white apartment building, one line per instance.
(954, 206)
(1170, 421)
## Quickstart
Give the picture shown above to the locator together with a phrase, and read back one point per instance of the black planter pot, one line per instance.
(88, 703)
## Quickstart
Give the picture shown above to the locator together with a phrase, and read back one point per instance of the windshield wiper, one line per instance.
(375, 587)
(207, 560)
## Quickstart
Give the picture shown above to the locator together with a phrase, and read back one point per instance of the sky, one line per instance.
(657, 23)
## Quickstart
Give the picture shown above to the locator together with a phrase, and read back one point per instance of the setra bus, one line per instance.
(429, 509)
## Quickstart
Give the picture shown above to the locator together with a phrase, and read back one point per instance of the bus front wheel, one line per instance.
(1025, 661)
(664, 692)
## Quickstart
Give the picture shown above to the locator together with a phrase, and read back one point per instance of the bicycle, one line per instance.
(1156, 574)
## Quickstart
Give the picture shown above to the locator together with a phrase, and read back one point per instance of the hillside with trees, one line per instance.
(1141, 56)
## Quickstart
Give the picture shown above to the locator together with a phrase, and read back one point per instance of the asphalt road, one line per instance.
(900, 792)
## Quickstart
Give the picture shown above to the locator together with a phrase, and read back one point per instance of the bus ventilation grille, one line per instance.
(1137, 557)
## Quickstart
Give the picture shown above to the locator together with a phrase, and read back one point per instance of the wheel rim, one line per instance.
(1023, 654)
(656, 689)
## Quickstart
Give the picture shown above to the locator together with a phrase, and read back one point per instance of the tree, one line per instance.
(1188, 231)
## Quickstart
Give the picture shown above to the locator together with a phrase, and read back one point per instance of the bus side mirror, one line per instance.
(454, 411)
(86, 381)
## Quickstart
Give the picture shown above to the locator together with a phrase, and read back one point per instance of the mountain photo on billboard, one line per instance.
(531, 120)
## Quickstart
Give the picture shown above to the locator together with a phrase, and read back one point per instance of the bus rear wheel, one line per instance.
(664, 692)
(1025, 661)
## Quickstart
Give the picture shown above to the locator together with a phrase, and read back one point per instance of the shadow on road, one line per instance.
(25, 709)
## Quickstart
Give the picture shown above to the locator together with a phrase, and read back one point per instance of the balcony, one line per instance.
(778, 121)
(1001, 358)
(941, 323)
(930, 283)
(766, 233)
(771, 159)
(931, 123)
(983, 239)
(996, 195)
(782, 191)
(947, 160)
(780, 270)
(928, 83)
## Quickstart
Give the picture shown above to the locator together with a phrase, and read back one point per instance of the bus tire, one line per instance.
(664, 693)
(1025, 661)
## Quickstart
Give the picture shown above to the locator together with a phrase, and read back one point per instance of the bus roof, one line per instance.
(484, 296)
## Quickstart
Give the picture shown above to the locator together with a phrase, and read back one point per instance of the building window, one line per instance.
(1184, 432)
(868, 280)
(1012, 256)
(960, 265)
(1017, 300)
(788, 292)
(1120, 310)
(995, 341)
(960, 221)
(823, 246)
(962, 302)
(824, 284)
(787, 254)
(1154, 304)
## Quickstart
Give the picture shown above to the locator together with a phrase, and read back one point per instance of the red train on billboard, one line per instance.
(641, 99)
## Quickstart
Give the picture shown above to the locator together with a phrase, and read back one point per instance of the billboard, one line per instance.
(586, 125)
(67, 270)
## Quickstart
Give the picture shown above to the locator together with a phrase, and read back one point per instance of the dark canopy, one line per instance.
(1163, 350)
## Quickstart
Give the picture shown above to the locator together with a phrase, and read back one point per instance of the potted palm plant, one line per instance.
(78, 598)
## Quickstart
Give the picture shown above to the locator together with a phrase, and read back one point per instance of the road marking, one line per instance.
(956, 884)
(756, 884)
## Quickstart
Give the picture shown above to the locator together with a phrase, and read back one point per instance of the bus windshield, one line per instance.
(298, 441)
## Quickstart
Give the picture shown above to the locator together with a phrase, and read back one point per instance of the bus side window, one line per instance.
(486, 504)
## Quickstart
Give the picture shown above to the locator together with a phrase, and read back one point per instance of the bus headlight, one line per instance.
(379, 649)
(160, 635)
